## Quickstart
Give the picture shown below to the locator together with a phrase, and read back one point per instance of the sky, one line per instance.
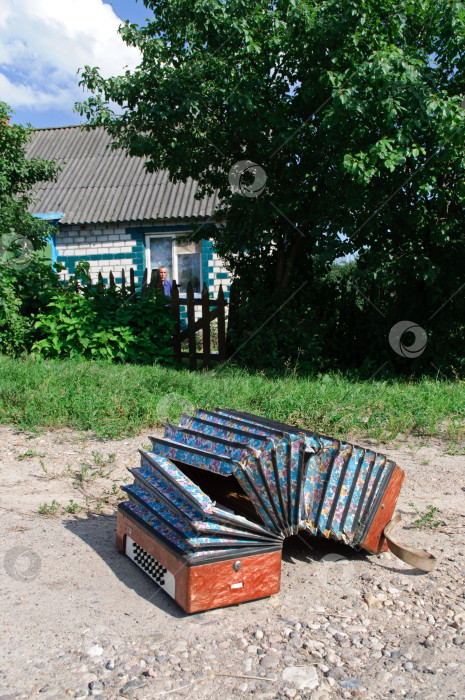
(43, 43)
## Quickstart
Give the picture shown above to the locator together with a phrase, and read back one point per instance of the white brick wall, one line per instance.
(77, 241)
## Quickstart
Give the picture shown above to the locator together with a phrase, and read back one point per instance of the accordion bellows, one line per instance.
(213, 501)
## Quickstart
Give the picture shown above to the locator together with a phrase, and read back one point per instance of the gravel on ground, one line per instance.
(80, 620)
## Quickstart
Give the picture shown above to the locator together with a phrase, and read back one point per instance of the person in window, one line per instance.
(163, 273)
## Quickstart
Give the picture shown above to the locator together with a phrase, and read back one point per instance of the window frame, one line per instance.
(174, 256)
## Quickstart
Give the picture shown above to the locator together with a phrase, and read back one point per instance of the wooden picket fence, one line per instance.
(212, 309)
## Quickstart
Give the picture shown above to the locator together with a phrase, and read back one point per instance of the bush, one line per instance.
(95, 323)
(14, 327)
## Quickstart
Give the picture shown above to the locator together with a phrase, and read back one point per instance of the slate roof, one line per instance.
(98, 185)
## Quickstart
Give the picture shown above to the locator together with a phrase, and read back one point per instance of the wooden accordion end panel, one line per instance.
(218, 582)
(374, 540)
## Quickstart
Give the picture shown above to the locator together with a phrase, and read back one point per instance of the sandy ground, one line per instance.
(78, 618)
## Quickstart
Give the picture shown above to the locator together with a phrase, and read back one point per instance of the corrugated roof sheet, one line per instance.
(97, 184)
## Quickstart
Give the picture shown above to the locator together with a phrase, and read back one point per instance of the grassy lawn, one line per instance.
(119, 400)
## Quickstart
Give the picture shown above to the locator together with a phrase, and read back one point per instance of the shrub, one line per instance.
(95, 323)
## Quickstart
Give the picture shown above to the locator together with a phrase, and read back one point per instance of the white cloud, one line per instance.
(44, 42)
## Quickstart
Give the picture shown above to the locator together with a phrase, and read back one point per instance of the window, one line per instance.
(161, 254)
(183, 260)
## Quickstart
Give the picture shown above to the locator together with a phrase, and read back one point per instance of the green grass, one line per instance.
(119, 400)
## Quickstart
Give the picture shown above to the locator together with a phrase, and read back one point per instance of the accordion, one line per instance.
(213, 501)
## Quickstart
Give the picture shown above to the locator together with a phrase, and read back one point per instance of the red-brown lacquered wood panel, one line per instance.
(127, 526)
(219, 584)
(209, 585)
(374, 541)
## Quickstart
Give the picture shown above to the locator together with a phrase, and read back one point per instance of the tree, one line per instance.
(25, 277)
(18, 175)
(352, 109)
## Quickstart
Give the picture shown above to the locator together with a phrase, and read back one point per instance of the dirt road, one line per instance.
(79, 619)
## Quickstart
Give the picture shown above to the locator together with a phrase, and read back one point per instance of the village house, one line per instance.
(111, 212)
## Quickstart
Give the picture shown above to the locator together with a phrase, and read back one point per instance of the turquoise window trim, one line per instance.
(53, 218)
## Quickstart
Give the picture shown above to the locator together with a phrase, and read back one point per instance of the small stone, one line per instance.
(376, 644)
(340, 637)
(371, 601)
(269, 661)
(179, 646)
(95, 651)
(252, 649)
(408, 666)
(130, 687)
(259, 634)
(80, 694)
(302, 676)
(110, 665)
(295, 642)
(247, 665)
(349, 683)
(290, 692)
(320, 695)
(458, 641)
(96, 686)
(337, 673)
(150, 673)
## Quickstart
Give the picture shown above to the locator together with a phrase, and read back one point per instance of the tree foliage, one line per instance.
(18, 175)
(26, 278)
(353, 109)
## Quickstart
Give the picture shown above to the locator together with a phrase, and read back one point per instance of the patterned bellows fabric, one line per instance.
(225, 480)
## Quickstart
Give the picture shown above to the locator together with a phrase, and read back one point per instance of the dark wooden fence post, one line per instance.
(177, 316)
(206, 326)
(154, 277)
(144, 284)
(190, 326)
(123, 285)
(221, 325)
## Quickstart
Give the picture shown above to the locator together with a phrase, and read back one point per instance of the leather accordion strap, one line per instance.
(418, 558)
